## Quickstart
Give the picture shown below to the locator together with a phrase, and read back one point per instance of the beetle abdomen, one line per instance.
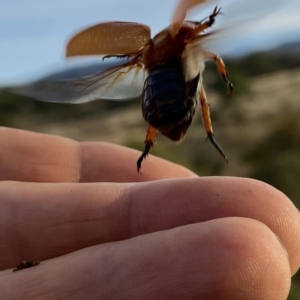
(169, 102)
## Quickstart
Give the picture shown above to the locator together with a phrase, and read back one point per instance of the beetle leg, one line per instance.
(116, 56)
(211, 20)
(121, 56)
(221, 68)
(149, 142)
(207, 122)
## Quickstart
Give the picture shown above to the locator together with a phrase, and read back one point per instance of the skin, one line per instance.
(103, 231)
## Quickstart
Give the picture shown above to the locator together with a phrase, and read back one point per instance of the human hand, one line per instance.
(101, 235)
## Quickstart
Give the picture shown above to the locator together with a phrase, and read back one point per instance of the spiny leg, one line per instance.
(207, 122)
(210, 21)
(121, 56)
(221, 68)
(149, 142)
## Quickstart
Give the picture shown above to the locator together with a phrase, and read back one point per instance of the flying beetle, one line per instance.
(166, 71)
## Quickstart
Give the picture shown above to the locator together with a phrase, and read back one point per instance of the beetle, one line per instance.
(26, 264)
(165, 70)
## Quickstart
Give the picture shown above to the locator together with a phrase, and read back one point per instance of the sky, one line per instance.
(33, 33)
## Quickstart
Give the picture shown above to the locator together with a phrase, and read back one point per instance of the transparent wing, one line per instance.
(236, 12)
(181, 9)
(241, 20)
(109, 38)
(111, 79)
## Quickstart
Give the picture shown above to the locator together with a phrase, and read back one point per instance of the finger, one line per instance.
(36, 157)
(112, 163)
(48, 220)
(229, 258)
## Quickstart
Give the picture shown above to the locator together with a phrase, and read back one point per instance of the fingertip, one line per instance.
(255, 262)
(278, 212)
(232, 258)
(228, 258)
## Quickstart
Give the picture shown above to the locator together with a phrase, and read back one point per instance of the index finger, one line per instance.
(36, 157)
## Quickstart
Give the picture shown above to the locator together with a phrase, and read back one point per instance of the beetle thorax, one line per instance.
(164, 47)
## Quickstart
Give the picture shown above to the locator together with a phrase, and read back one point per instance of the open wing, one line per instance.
(109, 38)
(240, 20)
(111, 79)
(183, 6)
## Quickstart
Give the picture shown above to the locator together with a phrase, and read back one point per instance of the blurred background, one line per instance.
(258, 126)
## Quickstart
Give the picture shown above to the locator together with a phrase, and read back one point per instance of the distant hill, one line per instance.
(292, 49)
